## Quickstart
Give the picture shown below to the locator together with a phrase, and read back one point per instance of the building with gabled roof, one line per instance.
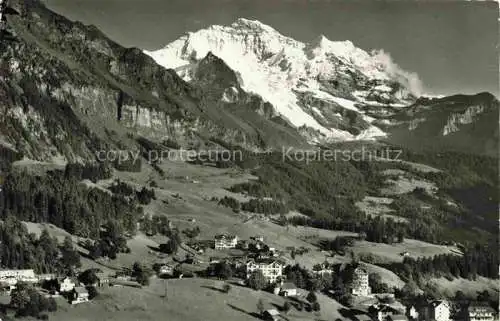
(102, 279)
(225, 241)
(80, 294)
(381, 312)
(412, 312)
(271, 315)
(272, 269)
(480, 312)
(439, 310)
(287, 289)
(67, 285)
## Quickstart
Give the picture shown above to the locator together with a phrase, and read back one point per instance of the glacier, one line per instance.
(279, 68)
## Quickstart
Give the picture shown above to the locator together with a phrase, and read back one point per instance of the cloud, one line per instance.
(410, 79)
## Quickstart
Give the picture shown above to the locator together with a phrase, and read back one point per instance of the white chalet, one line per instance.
(440, 310)
(360, 285)
(67, 285)
(271, 269)
(412, 313)
(225, 241)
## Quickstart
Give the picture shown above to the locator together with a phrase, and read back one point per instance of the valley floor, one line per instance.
(184, 196)
(186, 300)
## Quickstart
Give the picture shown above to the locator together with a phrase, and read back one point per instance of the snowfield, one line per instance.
(277, 67)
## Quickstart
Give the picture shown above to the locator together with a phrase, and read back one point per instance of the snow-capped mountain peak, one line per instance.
(283, 71)
(340, 48)
(251, 25)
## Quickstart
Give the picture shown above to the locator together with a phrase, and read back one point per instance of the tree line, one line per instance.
(20, 249)
(479, 260)
(60, 198)
(257, 205)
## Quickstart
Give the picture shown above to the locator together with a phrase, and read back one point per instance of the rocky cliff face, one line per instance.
(461, 122)
(468, 116)
(67, 91)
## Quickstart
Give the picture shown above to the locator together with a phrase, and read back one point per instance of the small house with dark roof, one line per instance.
(288, 289)
(271, 315)
(382, 312)
(80, 294)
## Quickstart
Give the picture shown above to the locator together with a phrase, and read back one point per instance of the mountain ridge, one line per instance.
(111, 92)
(69, 91)
(459, 123)
(282, 70)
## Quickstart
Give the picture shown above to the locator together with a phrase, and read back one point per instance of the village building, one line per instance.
(266, 255)
(243, 244)
(382, 312)
(439, 310)
(271, 315)
(270, 268)
(11, 277)
(322, 269)
(80, 295)
(259, 238)
(288, 289)
(479, 312)
(412, 313)
(360, 285)
(238, 262)
(225, 241)
(258, 245)
(66, 285)
(166, 270)
(46, 277)
(102, 279)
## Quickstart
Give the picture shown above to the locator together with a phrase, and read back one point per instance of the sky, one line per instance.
(451, 45)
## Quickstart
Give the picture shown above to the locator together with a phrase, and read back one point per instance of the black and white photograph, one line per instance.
(281, 160)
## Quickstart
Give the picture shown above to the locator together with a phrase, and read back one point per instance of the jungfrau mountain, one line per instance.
(317, 87)
(329, 90)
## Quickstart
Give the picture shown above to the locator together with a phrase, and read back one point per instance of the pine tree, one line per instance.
(70, 257)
